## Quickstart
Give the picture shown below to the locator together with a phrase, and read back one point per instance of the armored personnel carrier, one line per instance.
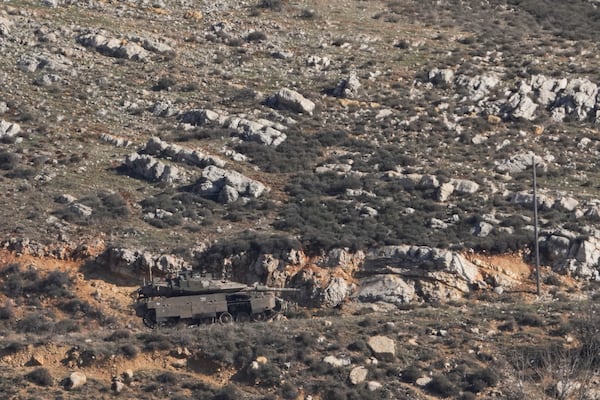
(202, 298)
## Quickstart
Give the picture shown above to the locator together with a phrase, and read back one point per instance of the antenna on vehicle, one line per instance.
(535, 228)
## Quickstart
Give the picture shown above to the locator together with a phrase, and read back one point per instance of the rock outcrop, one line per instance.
(358, 375)
(292, 100)
(151, 169)
(113, 47)
(159, 148)
(219, 183)
(258, 130)
(9, 129)
(134, 264)
(432, 274)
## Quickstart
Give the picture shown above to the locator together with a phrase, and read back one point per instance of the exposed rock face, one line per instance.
(134, 264)
(8, 129)
(215, 180)
(5, 26)
(157, 147)
(343, 258)
(520, 162)
(336, 292)
(262, 131)
(482, 229)
(148, 167)
(578, 99)
(292, 100)
(358, 375)
(387, 288)
(113, 47)
(583, 258)
(436, 274)
(522, 107)
(464, 186)
(383, 347)
(114, 140)
(441, 76)
(348, 87)
(81, 209)
(479, 86)
(337, 362)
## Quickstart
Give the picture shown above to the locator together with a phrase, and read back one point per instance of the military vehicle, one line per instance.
(201, 298)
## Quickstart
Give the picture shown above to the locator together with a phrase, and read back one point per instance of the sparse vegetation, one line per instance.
(421, 153)
(40, 376)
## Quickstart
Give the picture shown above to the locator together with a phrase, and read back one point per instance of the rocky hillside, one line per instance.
(399, 135)
(364, 152)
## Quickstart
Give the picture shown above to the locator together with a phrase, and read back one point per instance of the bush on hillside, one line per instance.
(40, 376)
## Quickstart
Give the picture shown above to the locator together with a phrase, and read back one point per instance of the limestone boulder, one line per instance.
(5, 26)
(388, 288)
(152, 169)
(290, 99)
(9, 129)
(348, 87)
(159, 148)
(522, 107)
(133, 263)
(214, 179)
(113, 47)
(444, 77)
(336, 292)
(348, 261)
(337, 362)
(75, 381)
(358, 375)
(464, 186)
(382, 347)
(519, 163)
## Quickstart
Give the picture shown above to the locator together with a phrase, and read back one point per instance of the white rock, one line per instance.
(337, 362)
(287, 98)
(358, 375)
(372, 386)
(75, 380)
(382, 346)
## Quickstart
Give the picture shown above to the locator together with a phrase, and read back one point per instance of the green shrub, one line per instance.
(167, 378)
(358, 346)
(288, 391)
(21, 173)
(275, 5)
(530, 319)
(40, 376)
(411, 374)
(267, 375)
(130, 350)
(8, 160)
(34, 323)
(481, 379)
(228, 392)
(7, 313)
(118, 335)
(164, 83)
(442, 386)
(256, 36)
(66, 325)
